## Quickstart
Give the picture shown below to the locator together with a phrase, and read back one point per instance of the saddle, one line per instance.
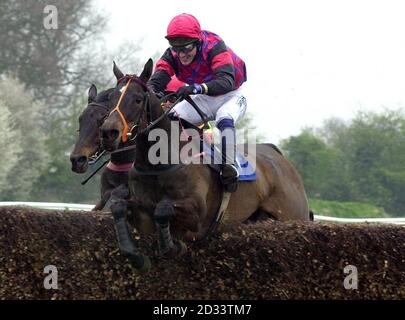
(212, 154)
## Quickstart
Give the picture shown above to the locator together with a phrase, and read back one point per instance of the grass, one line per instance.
(346, 209)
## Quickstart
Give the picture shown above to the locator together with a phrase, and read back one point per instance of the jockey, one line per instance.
(214, 74)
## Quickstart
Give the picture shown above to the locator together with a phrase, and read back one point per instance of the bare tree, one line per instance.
(48, 61)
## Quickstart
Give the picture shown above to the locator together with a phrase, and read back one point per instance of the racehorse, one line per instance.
(88, 144)
(180, 201)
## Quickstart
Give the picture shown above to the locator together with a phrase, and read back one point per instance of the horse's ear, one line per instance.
(92, 93)
(117, 72)
(147, 71)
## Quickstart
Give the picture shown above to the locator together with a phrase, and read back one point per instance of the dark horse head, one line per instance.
(88, 143)
(130, 103)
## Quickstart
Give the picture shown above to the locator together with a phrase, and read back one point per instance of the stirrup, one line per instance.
(230, 182)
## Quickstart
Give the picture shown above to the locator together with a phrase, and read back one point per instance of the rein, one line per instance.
(164, 114)
(94, 172)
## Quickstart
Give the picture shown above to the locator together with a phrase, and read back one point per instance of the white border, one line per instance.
(88, 207)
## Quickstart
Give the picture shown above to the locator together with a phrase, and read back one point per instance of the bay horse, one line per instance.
(180, 201)
(87, 145)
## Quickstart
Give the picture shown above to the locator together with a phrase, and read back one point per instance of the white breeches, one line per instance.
(231, 105)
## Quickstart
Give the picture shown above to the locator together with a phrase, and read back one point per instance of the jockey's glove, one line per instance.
(188, 90)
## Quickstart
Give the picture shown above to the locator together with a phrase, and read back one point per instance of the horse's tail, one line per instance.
(311, 215)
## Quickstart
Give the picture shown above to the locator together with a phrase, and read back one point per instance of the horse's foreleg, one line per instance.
(119, 209)
(167, 245)
(102, 202)
(100, 205)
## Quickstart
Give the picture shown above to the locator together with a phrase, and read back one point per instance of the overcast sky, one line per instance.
(306, 60)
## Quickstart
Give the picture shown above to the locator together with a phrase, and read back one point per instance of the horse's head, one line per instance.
(129, 103)
(92, 117)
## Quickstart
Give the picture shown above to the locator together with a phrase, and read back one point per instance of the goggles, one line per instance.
(185, 49)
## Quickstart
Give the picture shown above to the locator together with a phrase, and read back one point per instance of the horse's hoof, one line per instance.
(178, 249)
(141, 267)
(181, 248)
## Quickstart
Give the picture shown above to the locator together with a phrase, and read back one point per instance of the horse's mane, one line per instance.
(103, 95)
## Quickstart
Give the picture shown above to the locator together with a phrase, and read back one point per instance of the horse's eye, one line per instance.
(138, 100)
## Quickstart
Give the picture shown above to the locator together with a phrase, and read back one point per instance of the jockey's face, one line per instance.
(187, 57)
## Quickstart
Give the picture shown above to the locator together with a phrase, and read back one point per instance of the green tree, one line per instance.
(25, 140)
(361, 160)
(10, 147)
(48, 62)
(54, 66)
(375, 151)
(321, 166)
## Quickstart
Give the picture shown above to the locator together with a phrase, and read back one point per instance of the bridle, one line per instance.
(100, 152)
(104, 108)
(146, 108)
(126, 132)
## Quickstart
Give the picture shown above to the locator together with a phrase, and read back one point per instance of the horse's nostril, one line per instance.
(78, 160)
(82, 159)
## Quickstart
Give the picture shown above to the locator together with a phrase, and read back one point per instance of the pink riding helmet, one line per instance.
(184, 25)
